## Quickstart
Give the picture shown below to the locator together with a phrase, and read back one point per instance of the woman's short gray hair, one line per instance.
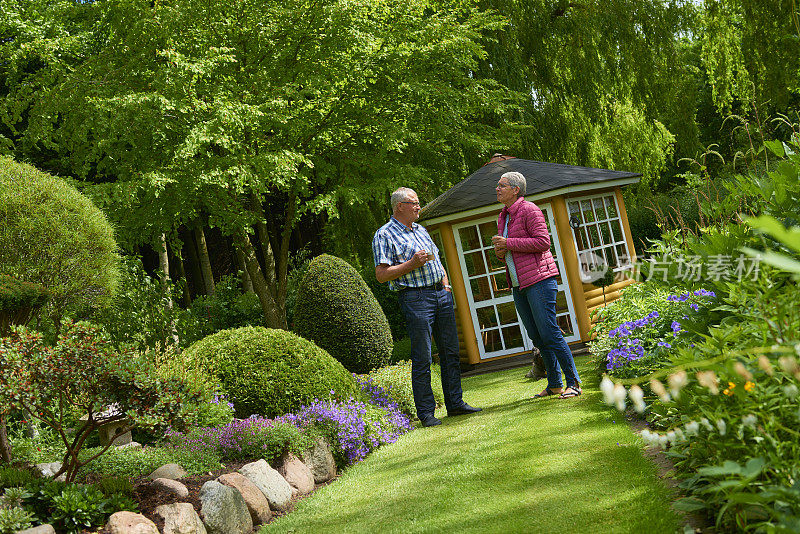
(515, 179)
(401, 194)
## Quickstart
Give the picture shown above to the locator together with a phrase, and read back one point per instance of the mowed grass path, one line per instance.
(521, 465)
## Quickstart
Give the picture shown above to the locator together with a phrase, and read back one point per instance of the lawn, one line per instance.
(522, 465)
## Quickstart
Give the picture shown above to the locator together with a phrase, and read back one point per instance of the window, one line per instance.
(600, 232)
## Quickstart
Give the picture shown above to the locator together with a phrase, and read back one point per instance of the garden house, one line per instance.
(588, 227)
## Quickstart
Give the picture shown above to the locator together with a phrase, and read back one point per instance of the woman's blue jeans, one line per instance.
(536, 306)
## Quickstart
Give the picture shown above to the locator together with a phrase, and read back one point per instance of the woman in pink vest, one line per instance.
(523, 244)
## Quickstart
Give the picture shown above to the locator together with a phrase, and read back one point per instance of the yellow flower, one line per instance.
(749, 386)
(729, 390)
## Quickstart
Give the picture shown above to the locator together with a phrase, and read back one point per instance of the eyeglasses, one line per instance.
(409, 202)
(502, 186)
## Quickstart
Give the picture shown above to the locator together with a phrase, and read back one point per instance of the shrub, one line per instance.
(12, 477)
(14, 519)
(228, 307)
(140, 314)
(73, 508)
(336, 310)
(18, 301)
(395, 382)
(130, 462)
(244, 439)
(54, 236)
(83, 373)
(268, 372)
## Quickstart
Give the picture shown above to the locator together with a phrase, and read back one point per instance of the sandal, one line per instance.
(571, 391)
(546, 393)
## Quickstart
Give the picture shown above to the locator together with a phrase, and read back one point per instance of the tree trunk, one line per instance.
(271, 267)
(247, 282)
(205, 261)
(5, 444)
(187, 296)
(273, 315)
(194, 265)
(163, 266)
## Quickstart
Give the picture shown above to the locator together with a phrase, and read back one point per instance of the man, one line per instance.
(406, 257)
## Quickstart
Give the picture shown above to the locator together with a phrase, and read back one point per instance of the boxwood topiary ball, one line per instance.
(336, 310)
(270, 372)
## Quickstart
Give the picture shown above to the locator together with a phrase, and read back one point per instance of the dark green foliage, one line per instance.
(395, 380)
(13, 477)
(53, 235)
(73, 508)
(337, 311)
(390, 306)
(15, 295)
(268, 372)
(112, 485)
(228, 307)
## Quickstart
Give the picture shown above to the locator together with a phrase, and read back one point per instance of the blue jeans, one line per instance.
(430, 311)
(536, 305)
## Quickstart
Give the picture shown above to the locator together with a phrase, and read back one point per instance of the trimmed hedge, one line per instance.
(54, 236)
(336, 310)
(18, 301)
(268, 372)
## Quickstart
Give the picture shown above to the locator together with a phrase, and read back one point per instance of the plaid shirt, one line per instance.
(394, 243)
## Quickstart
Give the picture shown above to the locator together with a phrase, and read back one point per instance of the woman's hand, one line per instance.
(499, 240)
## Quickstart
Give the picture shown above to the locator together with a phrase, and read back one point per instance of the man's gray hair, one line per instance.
(515, 179)
(401, 194)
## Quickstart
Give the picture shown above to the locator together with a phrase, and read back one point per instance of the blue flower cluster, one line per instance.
(357, 431)
(629, 349)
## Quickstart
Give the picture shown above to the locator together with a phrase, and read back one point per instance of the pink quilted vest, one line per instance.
(528, 241)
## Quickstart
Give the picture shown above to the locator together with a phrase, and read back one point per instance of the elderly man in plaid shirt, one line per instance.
(406, 257)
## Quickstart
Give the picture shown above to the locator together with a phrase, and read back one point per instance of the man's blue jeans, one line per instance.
(536, 306)
(430, 311)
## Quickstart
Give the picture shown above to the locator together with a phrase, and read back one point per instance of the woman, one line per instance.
(523, 244)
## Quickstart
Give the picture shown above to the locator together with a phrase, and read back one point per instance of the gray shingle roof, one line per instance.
(477, 190)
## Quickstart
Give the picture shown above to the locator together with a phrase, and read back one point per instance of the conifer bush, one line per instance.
(268, 372)
(53, 235)
(336, 310)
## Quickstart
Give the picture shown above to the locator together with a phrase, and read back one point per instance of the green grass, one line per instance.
(522, 465)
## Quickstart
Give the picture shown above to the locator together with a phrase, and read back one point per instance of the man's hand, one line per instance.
(419, 259)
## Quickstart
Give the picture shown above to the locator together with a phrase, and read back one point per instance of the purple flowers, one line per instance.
(354, 428)
(651, 329)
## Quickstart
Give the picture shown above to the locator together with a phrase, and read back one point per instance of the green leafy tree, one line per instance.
(258, 115)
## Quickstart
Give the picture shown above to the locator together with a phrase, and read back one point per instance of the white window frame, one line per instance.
(563, 286)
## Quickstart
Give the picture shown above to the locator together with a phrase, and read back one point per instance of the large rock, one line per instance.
(223, 510)
(297, 474)
(320, 460)
(173, 487)
(170, 471)
(130, 523)
(254, 498)
(180, 518)
(49, 469)
(41, 529)
(270, 482)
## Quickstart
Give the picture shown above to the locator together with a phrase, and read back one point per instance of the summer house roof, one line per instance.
(477, 189)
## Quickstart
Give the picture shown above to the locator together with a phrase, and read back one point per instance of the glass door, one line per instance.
(494, 316)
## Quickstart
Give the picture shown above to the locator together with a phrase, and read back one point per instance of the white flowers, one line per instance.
(742, 371)
(709, 380)
(659, 389)
(616, 393)
(749, 420)
(636, 395)
(677, 381)
(692, 428)
(722, 427)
